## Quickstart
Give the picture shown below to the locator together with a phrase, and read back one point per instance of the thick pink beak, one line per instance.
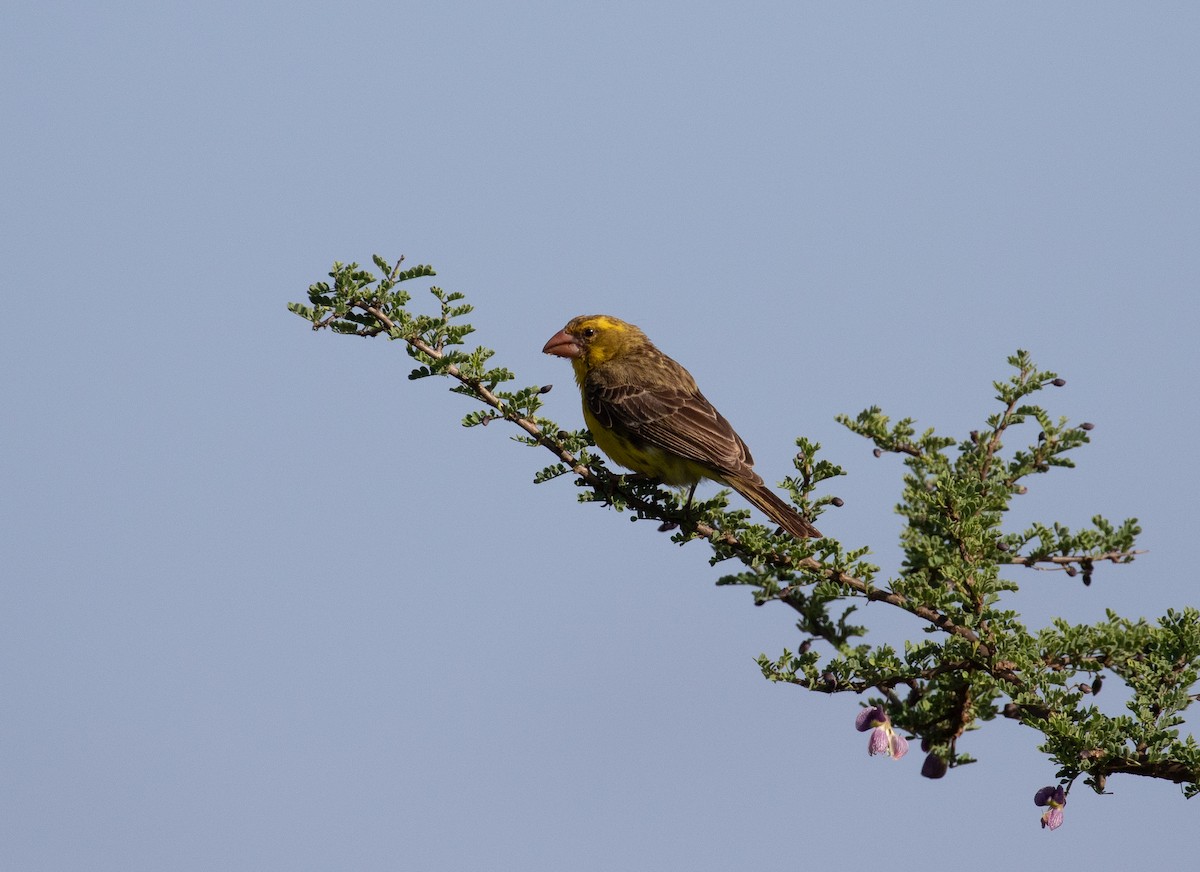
(562, 344)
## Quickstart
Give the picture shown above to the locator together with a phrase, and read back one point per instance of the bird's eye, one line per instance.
(589, 332)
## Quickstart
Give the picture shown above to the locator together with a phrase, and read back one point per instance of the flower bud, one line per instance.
(934, 766)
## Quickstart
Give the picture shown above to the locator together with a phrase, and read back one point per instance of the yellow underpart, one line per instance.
(646, 459)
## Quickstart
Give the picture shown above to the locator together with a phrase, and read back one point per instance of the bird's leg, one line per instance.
(667, 526)
(687, 506)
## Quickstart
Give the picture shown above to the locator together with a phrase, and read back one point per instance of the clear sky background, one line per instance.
(264, 605)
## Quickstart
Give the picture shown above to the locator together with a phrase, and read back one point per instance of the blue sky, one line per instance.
(267, 606)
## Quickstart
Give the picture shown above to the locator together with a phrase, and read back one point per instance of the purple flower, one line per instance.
(884, 739)
(870, 717)
(1054, 798)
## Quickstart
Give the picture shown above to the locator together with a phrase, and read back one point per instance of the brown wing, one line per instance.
(674, 418)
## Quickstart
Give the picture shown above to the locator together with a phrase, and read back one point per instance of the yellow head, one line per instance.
(590, 340)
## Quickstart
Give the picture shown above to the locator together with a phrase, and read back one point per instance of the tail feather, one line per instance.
(775, 508)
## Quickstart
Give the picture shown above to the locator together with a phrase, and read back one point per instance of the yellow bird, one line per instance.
(646, 413)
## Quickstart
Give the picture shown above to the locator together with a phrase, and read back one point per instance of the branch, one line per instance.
(732, 544)
(1070, 559)
(953, 551)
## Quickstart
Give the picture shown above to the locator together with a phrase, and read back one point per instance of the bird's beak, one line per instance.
(562, 344)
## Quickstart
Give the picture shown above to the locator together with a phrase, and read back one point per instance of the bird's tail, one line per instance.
(774, 507)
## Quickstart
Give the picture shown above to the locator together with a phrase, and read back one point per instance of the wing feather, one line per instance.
(675, 419)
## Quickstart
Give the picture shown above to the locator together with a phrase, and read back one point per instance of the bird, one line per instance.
(646, 413)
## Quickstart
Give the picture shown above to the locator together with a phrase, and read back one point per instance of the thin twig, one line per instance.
(1069, 559)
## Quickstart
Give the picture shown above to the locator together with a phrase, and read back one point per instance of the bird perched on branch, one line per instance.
(646, 413)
